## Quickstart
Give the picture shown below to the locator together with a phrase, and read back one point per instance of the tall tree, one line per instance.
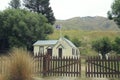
(21, 28)
(114, 14)
(15, 4)
(41, 6)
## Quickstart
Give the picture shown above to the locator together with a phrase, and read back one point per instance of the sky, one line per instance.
(65, 9)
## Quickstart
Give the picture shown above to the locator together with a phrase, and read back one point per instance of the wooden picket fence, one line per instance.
(46, 65)
(96, 67)
(56, 66)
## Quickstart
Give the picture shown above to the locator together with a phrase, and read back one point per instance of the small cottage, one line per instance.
(60, 48)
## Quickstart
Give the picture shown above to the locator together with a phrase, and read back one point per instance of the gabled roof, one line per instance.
(53, 42)
(45, 42)
(69, 42)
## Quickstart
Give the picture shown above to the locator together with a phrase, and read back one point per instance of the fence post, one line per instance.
(44, 66)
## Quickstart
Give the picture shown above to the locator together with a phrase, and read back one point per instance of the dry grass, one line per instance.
(21, 67)
(1, 77)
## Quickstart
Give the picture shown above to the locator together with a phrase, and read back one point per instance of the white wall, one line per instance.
(66, 49)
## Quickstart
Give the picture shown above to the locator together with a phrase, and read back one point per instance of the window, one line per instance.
(60, 52)
(76, 52)
(49, 51)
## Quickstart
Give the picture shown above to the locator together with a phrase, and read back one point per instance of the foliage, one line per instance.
(67, 37)
(15, 4)
(86, 38)
(102, 46)
(115, 12)
(116, 45)
(76, 42)
(21, 28)
(21, 66)
(41, 6)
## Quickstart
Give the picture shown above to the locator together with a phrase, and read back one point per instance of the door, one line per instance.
(60, 52)
(49, 51)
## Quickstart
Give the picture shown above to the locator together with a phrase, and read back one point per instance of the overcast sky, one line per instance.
(65, 9)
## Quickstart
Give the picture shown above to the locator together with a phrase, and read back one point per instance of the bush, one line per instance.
(76, 42)
(116, 45)
(21, 67)
(102, 46)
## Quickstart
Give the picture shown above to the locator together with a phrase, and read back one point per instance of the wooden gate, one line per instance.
(58, 66)
(96, 67)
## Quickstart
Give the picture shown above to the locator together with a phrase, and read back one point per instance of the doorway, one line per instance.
(60, 52)
(49, 51)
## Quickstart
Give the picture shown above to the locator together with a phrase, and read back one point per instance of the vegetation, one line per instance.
(86, 38)
(1, 77)
(88, 23)
(67, 37)
(41, 6)
(76, 42)
(102, 46)
(21, 67)
(114, 14)
(116, 45)
(15, 4)
(21, 28)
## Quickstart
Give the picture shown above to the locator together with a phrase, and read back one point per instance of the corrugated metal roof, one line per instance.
(45, 42)
(53, 42)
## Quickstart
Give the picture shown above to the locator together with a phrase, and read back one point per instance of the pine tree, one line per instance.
(41, 6)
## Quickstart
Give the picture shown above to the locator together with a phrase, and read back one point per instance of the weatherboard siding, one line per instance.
(68, 48)
(37, 48)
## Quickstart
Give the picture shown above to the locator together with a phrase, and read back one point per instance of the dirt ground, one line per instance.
(69, 78)
(72, 78)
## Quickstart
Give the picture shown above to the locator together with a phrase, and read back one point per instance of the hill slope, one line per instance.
(88, 23)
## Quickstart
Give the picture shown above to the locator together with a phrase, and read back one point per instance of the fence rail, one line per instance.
(56, 66)
(45, 65)
(71, 66)
(96, 67)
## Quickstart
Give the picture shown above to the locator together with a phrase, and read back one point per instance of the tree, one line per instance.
(67, 37)
(116, 45)
(21, 28)
(114, 14)
(102, 46)
(15, 4)
(41, 6)
(76, 42)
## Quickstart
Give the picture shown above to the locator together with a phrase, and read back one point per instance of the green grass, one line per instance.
(84, 35)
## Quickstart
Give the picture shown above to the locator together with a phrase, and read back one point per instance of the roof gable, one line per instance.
(69, 42)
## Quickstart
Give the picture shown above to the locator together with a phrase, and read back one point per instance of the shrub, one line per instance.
(102, 46)
(21, 65)
(76, 42)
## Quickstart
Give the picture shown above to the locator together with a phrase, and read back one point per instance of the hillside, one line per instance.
(88, 23)
(86, 38)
